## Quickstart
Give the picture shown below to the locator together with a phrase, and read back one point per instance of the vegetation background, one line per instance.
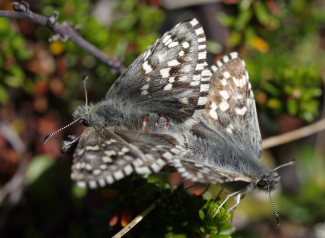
(283, 44)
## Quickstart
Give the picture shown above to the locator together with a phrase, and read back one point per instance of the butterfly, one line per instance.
(170, 108)
(169, 80)
(224, 144)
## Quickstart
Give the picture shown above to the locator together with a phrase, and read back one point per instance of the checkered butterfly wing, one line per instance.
(170, 78)
(104, 156)
(231, 109)
(228, 127)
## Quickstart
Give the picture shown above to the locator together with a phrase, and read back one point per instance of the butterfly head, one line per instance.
(83, 114)
(269, 181)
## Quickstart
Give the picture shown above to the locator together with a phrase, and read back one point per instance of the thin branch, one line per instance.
(135, 221)
(65, 31)
(294, 135)
(13, 189)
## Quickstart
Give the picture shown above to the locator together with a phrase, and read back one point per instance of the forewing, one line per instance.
(171, 77)
(231, 110)
(204, 173)
(103, 157)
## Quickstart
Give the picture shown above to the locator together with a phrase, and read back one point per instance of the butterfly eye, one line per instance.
(85, 122)
(261, 183)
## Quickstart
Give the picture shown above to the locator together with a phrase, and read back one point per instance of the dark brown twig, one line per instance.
(64, 31)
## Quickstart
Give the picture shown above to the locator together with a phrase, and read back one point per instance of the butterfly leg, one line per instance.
(224, 201)
(69, 146)
(238, 198)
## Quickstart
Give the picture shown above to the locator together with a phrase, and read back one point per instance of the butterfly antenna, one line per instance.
(284, 165)
(273, 206)
(46, 138)
(85, 78)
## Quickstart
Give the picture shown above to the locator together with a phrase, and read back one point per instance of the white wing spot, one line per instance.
(199, 31)
(173, 44)
(167, 37)
(195, 83)
(95, 147)
(142, 170)
(206, 73)
(224, 106)
(168, 41)
(168, 87)
(194, 22)
(144, 87)
(236, 82)
(241, 111)
(118, 175)
(185, 45)
(213, 114)
(202, 55)
(137, 162)
(202, 47)
(183, 100)
(109, 179)
(223, 82)
(201, 39)
(234, 55)
(92, 184)
(197, 77)
(199, 67)
(213, 111)
(97, 172)
(109, 152)
(173, 62)
(204, 88)
(224, 94)
(226, 74)
(171, 80)
(183, 78)
(165, 72)
(214, 68)
(146, 67)
(128, 169)
(181, 53)
(230, 128)
(160, 162)
(219, 63)
(225, 58)
(187, 68)
(155, 167)
(202, 101)
(168, 155)
(101, 182)
(107, 159)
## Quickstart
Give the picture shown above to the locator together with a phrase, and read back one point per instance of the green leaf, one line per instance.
(4, 97)
(37, 167)
(293, 107)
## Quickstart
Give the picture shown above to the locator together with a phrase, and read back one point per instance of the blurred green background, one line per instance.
(283, 44)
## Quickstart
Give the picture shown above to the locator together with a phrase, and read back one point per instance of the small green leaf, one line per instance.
(37, 167)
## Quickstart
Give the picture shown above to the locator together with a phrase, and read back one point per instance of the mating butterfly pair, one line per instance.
(212, 134)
